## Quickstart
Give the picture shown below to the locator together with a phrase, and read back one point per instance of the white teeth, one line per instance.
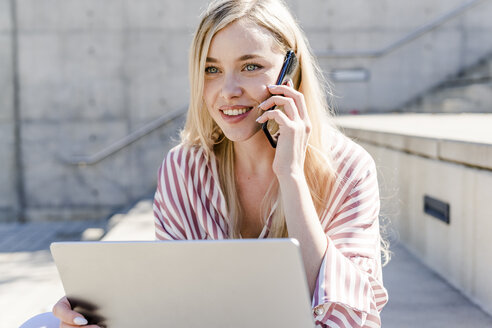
(234, 112)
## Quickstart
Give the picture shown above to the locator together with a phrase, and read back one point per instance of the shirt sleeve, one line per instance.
(349, 290)
(168, 202)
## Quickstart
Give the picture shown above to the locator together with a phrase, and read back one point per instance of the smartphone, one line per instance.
(287, 71)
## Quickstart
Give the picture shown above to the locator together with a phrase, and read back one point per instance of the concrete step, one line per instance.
(29, 281)
(471, 92)
(473, 98)
(137, 224)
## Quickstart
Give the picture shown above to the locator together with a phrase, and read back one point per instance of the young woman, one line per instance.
(225, 180)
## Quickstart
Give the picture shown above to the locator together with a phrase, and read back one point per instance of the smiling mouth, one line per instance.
(236, 112)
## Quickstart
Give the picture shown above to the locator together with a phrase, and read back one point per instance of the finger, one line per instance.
(65, 325)
(290, 92)
(287, 103)
(276, 115)
(63, 311)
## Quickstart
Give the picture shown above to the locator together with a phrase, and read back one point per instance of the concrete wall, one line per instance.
(8, 197)
(90, 72)
(447, 164)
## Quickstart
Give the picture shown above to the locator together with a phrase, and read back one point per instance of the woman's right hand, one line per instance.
(69, 318)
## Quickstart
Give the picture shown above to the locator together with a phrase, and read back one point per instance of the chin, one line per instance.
(237, 138)
(234, 136)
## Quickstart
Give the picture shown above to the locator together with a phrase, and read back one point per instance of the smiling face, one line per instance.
(243, 59)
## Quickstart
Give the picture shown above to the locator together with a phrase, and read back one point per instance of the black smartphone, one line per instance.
(287, 71)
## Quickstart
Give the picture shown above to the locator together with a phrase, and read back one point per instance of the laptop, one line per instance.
(245, 283)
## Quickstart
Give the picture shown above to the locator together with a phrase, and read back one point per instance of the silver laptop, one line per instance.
(246, 283)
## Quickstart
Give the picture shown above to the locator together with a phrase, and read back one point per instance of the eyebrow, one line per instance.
(242, 58)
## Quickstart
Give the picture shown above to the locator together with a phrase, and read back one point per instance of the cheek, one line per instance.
(208, 93)
(259, 90)
(261, 86)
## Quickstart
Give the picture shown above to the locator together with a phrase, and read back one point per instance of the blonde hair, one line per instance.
(201, 130)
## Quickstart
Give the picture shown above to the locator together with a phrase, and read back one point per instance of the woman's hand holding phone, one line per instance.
(294, 128)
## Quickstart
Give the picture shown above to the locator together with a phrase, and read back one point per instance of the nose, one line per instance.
(231, 87)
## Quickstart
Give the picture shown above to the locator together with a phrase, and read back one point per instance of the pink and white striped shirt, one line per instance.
(349, 292)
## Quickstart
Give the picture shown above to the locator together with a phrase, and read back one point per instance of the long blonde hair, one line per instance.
(200, 129)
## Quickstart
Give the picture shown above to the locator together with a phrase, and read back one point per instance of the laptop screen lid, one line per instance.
(227, 283)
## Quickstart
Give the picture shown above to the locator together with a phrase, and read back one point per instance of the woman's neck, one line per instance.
(254, 156)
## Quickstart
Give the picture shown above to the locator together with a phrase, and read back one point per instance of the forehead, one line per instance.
(242, 36)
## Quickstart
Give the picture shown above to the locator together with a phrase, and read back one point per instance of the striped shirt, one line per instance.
(349, 292)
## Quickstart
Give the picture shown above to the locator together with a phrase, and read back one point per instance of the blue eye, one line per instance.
(211, 70)
(251, 67)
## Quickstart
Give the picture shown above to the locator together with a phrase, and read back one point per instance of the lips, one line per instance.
(234, 114)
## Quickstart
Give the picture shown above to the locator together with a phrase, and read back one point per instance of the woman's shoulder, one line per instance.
(350, 159)
(184, 155)
(186, 160)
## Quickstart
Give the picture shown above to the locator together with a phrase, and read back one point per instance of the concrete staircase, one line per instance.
(382, 76)
(469, 92)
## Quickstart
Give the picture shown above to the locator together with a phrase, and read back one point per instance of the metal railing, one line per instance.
(417, 33)
(127, 140)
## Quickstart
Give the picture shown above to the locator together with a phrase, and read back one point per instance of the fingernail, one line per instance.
(261, 105)
(272, 86)
(258, 119)
(79, 321)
